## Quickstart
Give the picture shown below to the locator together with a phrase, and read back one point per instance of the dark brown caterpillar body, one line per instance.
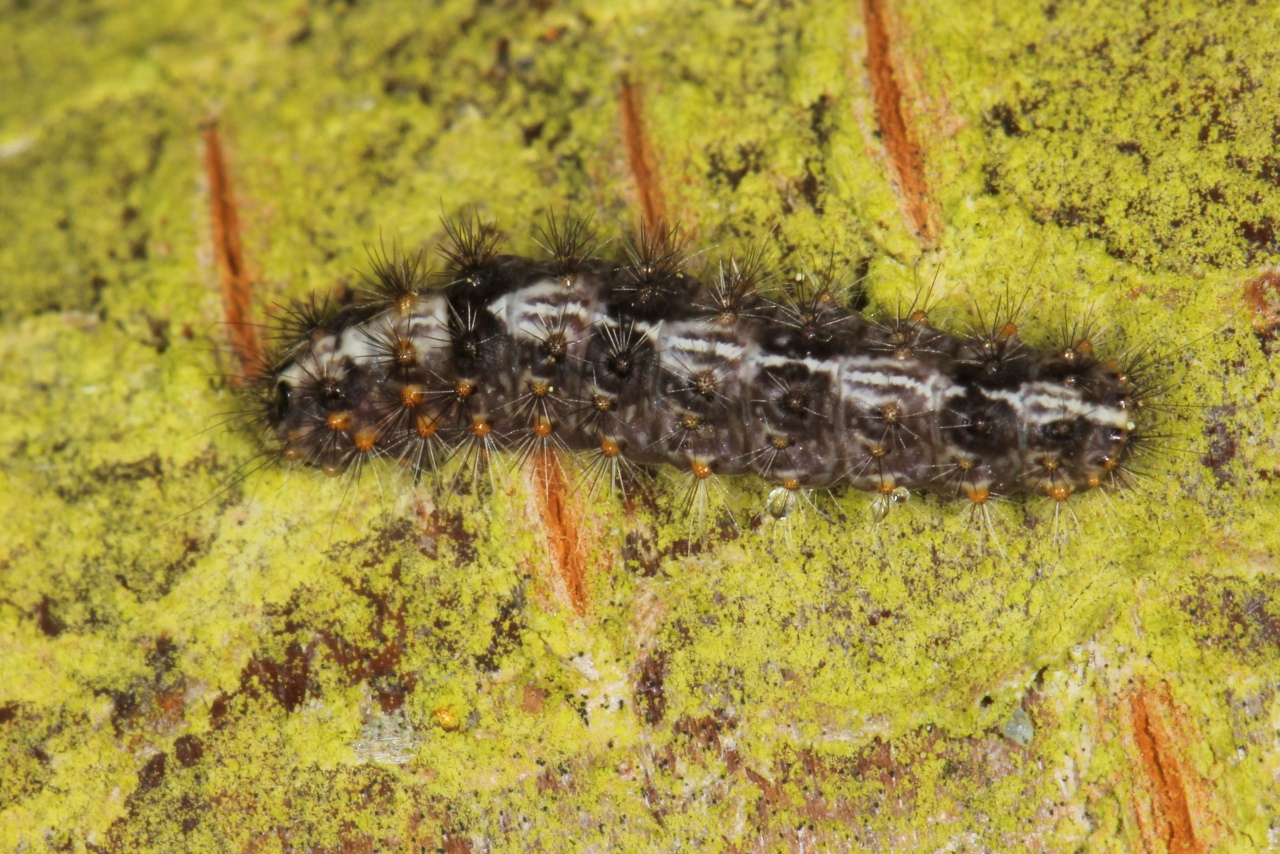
(638, 362)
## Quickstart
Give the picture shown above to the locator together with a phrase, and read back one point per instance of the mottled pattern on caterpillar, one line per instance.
(637, 362)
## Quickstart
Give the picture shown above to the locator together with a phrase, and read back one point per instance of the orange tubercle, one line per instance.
(480, 428)
(426, 427)
(411, 396)
(701, 469)
(1059, 492)
(365, 438)
(338, 421)
(610, 448)
(406, 354)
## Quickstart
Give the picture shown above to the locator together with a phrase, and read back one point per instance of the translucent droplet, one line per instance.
(1019, 728)
(780, 503)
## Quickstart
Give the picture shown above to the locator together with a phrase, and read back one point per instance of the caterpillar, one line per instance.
(636, 362)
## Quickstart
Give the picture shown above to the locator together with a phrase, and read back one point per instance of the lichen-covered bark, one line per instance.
(270, 663)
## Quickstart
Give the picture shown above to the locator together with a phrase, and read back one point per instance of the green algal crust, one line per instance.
(188, 659)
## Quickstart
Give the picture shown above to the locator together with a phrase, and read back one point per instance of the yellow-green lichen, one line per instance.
(201, 651)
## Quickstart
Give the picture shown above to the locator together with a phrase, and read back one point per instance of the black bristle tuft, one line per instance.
(813, 309)
(652, 282)
(300, 325)
(734, 289)
(393, 350)
(570, 242)
(908, 334)
(994, 356)
(626, 350)
(396, 279)
(472, 251)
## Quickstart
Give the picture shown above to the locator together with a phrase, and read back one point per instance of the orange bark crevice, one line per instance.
(640, 156)
(901, 146)
(561, 520)
(1170, 808)
(233, 276)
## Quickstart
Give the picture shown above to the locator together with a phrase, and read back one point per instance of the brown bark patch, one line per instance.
(1262, 295)
(901, 146)
(650, 696)
(533, 700)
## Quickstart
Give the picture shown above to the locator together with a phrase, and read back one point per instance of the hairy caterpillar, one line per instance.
(636, 362)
